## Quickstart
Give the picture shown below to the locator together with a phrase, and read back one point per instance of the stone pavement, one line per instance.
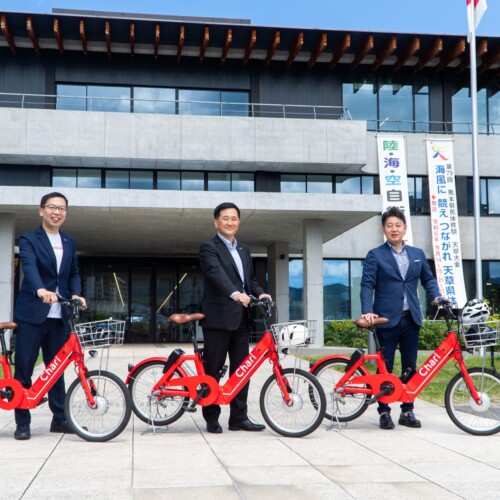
(359, 461)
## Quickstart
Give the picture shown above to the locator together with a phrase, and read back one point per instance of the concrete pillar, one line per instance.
(277, 267)
(7, 227)
(313, 275)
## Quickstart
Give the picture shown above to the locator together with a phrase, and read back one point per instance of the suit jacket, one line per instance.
(221, 279)
(40, 271)
(381, 277)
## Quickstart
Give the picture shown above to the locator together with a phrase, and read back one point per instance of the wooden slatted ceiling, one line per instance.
(57, 36)
(387, 50)
(272, 48)
(107, 34)
(295, 49)
(432, 52)
(32, 34)
(489, 61)
(363, 52)
(456, 51)
(411, 49)
(481, 49)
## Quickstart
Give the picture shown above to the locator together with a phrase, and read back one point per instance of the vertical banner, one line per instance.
(393, 177)
(444, 220)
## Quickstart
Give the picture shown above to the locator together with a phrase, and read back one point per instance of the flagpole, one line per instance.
(475, 161)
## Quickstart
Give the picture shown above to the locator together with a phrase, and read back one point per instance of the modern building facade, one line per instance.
(146, 123)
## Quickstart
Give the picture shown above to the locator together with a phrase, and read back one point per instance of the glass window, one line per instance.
(169, 180)
(296, 288)
(293, 183)
(192, 181)
(356, 268)
(422, 116)
(141, 179)
(89, 178)
(104, 98)
(319, 184)
(348, 184)
(370, 185)
(462, 111)
(234, 103)
(493, 196)
(242, 182)
(219, 181)
(64, 177)
(117, 179)
(199, 102)
(396, 106)
(494, 112)
(154, 100)
(336, 290)
(361, 102)
(72, 97)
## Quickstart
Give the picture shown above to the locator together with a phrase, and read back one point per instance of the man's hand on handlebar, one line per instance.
(441, 301)
(369, 317)
(264, 296)
(83, 306)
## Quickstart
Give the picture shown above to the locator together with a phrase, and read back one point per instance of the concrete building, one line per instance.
(146, 123)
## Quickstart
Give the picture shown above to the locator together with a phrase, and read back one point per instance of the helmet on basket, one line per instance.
(294, 334)
(475, 311)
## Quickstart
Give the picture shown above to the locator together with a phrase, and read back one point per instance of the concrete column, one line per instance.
(7, 227)
(313, 275)
(277, 267)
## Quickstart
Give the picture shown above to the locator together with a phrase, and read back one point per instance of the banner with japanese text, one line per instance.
(393, 177)
(444, 220)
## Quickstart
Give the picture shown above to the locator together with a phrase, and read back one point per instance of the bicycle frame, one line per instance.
(187, 385)
(376, 384)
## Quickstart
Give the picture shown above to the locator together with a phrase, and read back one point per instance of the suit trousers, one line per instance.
(219, 343)
(50, 336)
(406, 335)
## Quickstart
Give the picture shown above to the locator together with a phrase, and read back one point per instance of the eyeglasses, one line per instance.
(53, 208)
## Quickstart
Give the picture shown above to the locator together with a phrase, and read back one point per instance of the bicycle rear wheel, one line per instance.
(478, 419)
(345, 407)
(307, 407)
(149, 408)
(110, 415)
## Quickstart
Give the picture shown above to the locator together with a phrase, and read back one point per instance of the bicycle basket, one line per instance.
(294, 333)
(102, 333)
(479, 334)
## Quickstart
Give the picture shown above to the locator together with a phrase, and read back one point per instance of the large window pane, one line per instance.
(361, 102)
(117, 179)
(219, 181)
(72, 97)
(234, 103)
(356, 273)
(296, 288)
(396, 106)
(103, 98)
(141, 179)
(89, 178)
(336, 290)
(494, 112)
(199, 102)
(462, 111)
(422, 110)
(348, 184)
(169, 180)
(319, 184)
(242, 182)
(192, 181)
(494, 196)
(153, 100)
(370, 185)
(64, 177)
(293, 183)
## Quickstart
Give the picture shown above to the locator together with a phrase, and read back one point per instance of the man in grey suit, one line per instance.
(389, 289)
(228, 281)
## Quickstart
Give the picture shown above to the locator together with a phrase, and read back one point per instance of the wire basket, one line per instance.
(479, 334)
(294, 333)
(102, 333)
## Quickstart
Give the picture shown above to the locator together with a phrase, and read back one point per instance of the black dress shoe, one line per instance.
(386, 421)
(22, 432)
(214, 427)
(246, 425)
(409, 420)
(62, 427)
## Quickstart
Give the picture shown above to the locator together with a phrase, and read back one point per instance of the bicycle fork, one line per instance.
(283, 384)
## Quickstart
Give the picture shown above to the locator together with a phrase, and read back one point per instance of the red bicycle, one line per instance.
(97, 405)
(472, 397)
(292, 401)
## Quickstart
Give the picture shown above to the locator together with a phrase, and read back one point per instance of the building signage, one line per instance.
(444, 220)
(393, 177)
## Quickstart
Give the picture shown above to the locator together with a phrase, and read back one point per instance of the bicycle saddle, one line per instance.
(8, 326)
(362, 323)
(182, 319)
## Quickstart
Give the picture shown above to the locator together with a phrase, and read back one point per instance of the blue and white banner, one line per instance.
(444, 220)
(393, 177)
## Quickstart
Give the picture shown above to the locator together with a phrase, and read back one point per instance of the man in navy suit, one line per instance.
(228, 281)
(50, 266)
(389, 289)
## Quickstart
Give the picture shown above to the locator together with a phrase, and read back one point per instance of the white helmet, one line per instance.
(294, 334)
(475, 311)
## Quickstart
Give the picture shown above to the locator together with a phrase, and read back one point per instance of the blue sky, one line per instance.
(413, 16)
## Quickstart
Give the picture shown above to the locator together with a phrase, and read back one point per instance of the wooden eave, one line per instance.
(387, 50)
(299, 41)
(432, 52)
(32, 34)
(7, 33)
(156, 43)
(337, 54)
(107, 34)
(132, 38)
(411, 49)
(252, 40)
(83, 37)
(58, 36)
(180, 43)
(363, 52)
(481, 49)
(227, 44)
(204, 43)
(318, 50)
(456, 51)
(489, 61)
(272, 48)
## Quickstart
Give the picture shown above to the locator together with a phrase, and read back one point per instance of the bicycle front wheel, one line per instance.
(342, 407)
(307, 407)
(479, 419)
(149, 408)
(112, 410)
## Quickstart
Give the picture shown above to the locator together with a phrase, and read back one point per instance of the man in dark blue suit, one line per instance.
(228, 281)
(50, 266)
(389, 289)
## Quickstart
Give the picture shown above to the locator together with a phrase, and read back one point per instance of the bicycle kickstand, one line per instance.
(151, 428)
(334, 416)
